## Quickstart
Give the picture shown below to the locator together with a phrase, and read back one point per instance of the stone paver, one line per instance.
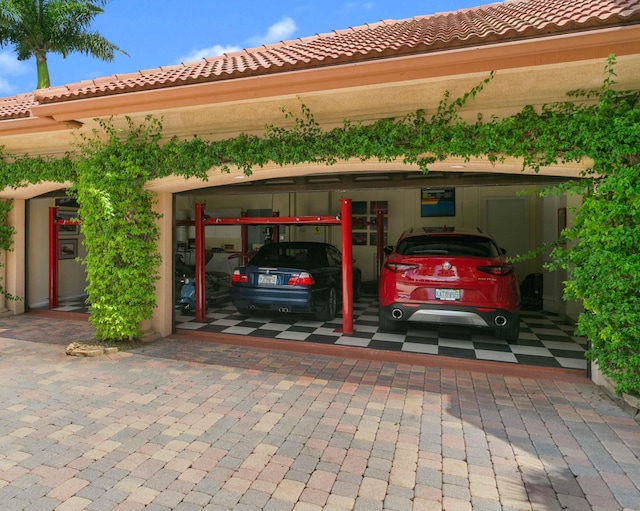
(184, 424)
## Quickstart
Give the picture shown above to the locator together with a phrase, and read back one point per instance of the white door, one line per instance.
(507, 220)
(553, 280)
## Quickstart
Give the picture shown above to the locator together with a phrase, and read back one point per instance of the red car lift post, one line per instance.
(275, 234)
(343, 219)
(244, 239)
(53, 258)
(201, 285)
(347, 267)
(380, 239)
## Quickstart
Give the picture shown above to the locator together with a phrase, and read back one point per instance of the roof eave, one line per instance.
(34, 124)
(580, 46)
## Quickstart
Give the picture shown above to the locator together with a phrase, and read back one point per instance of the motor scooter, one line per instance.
(187, 300)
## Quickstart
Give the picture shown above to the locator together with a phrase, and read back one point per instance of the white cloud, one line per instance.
(9, 64)
(10, 67)
(279, 31)
(5, 87)
(366, 6)
(208, 52)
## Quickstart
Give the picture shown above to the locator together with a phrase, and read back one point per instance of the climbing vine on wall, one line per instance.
(111, 167)
(6, 233)
(119, 226)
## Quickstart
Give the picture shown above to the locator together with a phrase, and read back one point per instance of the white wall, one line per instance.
(405, 212)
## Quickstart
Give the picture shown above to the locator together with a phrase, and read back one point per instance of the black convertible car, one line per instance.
(303, 277)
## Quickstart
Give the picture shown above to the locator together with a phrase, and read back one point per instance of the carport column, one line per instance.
(15, 269)
(3, 279)
(347, 267)
(161, 324)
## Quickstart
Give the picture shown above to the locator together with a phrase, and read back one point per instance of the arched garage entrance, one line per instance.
(546, 339)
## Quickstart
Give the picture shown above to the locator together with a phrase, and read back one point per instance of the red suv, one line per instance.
(449, 276)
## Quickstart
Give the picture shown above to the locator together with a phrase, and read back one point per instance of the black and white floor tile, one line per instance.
(545, 340)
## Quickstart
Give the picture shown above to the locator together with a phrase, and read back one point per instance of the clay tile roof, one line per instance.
(16, 107)
(498, 22)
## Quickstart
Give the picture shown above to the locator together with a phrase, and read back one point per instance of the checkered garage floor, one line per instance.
(545, 339)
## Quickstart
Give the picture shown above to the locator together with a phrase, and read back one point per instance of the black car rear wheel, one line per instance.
(328, 310)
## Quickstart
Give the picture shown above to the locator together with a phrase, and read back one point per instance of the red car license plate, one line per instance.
(448, 294)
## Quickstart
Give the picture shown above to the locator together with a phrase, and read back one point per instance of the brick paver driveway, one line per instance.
(183, 424)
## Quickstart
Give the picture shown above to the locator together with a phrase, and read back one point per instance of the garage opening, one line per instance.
(546, 339)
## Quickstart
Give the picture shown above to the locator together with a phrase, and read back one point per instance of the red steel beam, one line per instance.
(273, 220)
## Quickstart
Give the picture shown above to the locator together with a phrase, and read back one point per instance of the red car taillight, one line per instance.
(501, 270)
(238, 277)
(399, 267)
(303, 279)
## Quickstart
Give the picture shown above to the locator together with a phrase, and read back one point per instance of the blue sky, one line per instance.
(163, 32)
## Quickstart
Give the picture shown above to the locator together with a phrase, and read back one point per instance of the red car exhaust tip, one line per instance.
(500, 321)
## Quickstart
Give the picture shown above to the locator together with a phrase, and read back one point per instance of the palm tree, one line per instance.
(39, 27)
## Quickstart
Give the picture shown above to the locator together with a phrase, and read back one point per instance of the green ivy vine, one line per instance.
(6, 234)
(600, 251)
(119, 226)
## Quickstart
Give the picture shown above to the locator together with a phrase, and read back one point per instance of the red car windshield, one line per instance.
(452, 245)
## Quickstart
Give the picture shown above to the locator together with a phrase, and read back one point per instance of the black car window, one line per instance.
(474, 246)
(317, 257)
(335, 257)
(268, 254)
(303, 256)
